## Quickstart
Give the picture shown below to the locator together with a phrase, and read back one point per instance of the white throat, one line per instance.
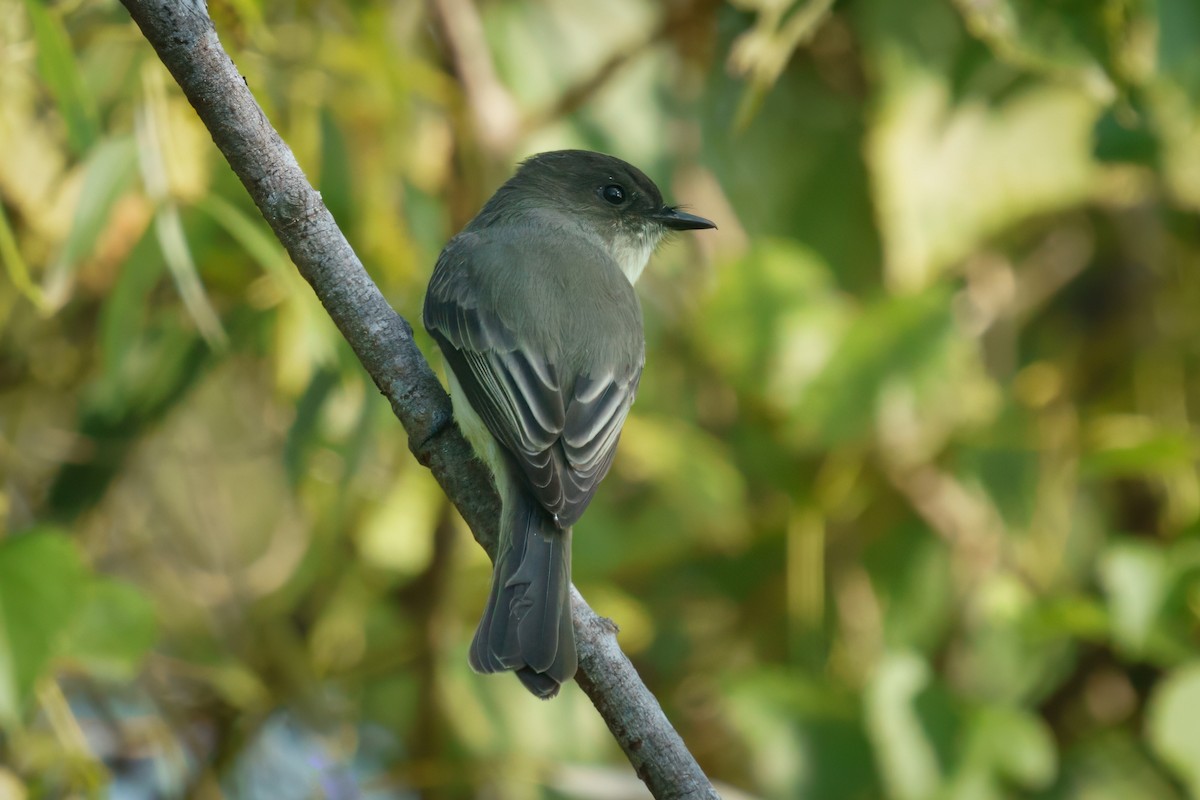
(632, 250)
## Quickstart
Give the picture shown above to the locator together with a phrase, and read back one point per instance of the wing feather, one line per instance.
(561, 429)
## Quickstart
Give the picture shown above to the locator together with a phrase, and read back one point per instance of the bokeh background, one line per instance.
(908, 507)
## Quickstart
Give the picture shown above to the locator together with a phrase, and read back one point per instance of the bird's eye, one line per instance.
(613, 194)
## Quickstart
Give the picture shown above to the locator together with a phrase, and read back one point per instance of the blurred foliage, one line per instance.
(908, 506)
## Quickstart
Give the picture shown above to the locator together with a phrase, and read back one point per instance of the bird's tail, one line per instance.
(526, 625)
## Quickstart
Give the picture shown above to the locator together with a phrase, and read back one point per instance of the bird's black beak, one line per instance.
(678, 220)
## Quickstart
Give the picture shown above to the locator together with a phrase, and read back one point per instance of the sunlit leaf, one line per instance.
(1024, 152)
(110, 168)
(1174, 724)
(398, 533)
(1135, 576)
(12, 786)
(909, 727)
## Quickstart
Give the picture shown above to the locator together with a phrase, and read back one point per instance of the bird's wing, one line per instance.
(562, 430)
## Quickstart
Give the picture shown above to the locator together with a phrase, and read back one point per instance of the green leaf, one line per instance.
(57, 68)
(41, 580)
(115, 628)
(1174, 724)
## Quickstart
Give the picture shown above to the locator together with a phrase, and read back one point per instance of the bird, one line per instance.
(533, 308)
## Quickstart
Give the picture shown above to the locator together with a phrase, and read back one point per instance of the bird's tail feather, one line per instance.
(526, 625)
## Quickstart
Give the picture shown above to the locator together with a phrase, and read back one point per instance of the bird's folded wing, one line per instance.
(562, 436)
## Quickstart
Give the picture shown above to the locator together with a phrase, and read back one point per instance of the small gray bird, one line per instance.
(534, 310)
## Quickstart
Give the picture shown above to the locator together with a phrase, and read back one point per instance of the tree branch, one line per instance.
(184, 38)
